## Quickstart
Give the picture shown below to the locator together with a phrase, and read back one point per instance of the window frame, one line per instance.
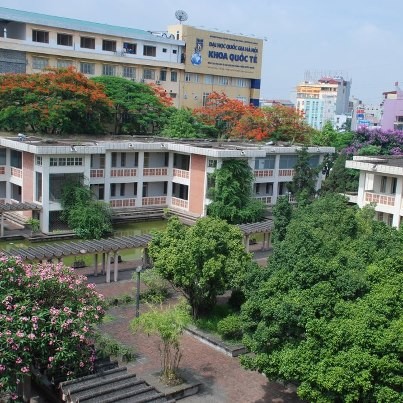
(84, 40)
(149, 50)
(36, 33)
(69, 38)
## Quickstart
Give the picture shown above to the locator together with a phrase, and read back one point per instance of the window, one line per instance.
(122, 189)
(149, 74)
(390, 219)
(65, 40)
(63, 64)
(108, 70)
(244, 100)
(113, 189)
(114, 160)
(63, 161)
(265, 163)
(208, 79)
(109, 46)
(164, 50)
(205, 98)
(393, 186)
(123, 159)
(174, 76)
(129, 72)
(212, 163)
(130, 48)
(188, 77)
(149, 51)
(3, 156)
(39, 63)
(40, 36)
(87, 42)
(269, 188)
(163, 75)
(242, 82)
(174, 51)
(223, 80)
(288, 161)
(38, 190)
(172, 94)
(87, 68)
(384, 179)
(135, 189)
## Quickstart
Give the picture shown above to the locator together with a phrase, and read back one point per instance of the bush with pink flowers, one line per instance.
(47, 318)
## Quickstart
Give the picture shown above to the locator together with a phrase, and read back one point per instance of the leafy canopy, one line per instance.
(327, 309)
(232, 194)
(203, 261)
(55, 101)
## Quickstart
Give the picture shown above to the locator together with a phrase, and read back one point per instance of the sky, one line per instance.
(360, 39)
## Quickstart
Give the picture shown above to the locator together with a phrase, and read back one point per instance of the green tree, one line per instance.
(56, 101)
(232, 194)
(203, 261)
(168, 325)
(90, 219)
(340, 179)
(326, 312)
(303, 185)
(282, 213)
(137, 107)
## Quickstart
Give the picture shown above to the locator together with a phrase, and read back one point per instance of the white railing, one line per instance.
(181, 203)
(265, 199)
(97, 173)
(379, 199)
(119, 172)
(263, 173)
(16, 172)
(122, 203)
(285, 172)
(153, 201)
(181, 173)
(155, 171)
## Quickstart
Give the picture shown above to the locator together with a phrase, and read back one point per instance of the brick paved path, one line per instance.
(223, 378)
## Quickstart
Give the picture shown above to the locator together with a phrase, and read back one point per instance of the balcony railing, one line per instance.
(16, 172)
(181, 203)
(285, 172)
(122, 203)
(181, 173)
(119, 172)
(155, 171)
(265, 199)
(379, 199)
(2, 170)
(97, 173)
(263, 173)
(153, 201)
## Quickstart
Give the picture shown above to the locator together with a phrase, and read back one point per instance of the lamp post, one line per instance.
(138, 271)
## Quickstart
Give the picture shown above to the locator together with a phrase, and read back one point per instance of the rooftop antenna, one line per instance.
(181, 15)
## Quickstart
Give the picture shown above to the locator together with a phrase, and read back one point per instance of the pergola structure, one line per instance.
(262, 227)
(7, 207)
(106, 247)
(110, 247)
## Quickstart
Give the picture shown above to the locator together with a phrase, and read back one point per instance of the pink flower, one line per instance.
(2, 367)
(51, 359)
(25, 369)
(18, 360)
(20, 334)
(81, 364)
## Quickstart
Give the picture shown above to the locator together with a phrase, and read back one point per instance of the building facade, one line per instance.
(392, 110)
(188, 63)
(381, 183)
(323, 100)
(137, 172)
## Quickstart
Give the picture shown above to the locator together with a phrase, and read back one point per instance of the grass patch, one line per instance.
(108, 318)
(209, 322)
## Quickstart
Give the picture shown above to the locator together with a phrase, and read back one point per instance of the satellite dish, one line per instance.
(181, 15)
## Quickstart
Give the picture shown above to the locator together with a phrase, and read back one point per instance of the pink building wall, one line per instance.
(197, 184)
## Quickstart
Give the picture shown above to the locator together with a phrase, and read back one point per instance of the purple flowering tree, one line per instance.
(47, 318)
(375, 141)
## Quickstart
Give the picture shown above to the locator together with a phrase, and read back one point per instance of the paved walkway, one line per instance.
(223, 379)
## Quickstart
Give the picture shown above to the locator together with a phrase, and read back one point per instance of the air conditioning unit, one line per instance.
(142, 80)
(158, 82)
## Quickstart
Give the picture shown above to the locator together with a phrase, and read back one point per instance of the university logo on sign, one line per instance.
(196, 58)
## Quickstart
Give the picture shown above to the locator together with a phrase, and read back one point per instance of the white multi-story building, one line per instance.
(137, 172)
(381, 183)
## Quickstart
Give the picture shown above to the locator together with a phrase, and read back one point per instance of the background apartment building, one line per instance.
(324, 100)
(188, 63)
(136, 173)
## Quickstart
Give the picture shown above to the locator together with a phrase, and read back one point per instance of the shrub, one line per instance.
(236, 299)
(230, 327)
(157, 288)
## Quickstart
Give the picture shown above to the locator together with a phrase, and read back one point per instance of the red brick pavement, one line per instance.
(223, 379)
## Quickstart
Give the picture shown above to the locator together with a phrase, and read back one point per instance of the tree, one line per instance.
(326, 312)
(47, 313)
(232, 194)
(137, 107)
(56, 101)
(287, 124)
(303, 185)
(282, 213)
(183, 124)
(203, 261)
(340, 179)
(169, 325)
(90, 219)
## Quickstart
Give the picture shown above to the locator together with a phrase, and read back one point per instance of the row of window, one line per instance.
(218, 80)
(87, 42)
(65, 161)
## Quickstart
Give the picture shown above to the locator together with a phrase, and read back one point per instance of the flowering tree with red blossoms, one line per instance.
(47, 313)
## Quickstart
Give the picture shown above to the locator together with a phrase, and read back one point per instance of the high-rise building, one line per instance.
(320, 101)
